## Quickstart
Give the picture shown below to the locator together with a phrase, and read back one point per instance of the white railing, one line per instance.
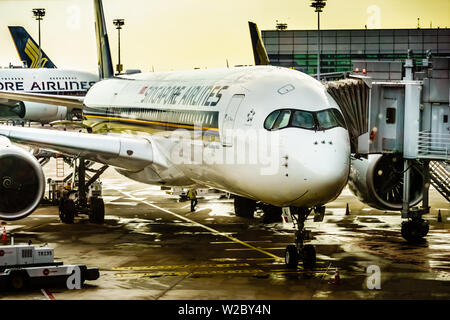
(434, 145)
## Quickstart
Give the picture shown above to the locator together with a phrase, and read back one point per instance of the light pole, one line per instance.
(39, 14)
(318, 5)
(119, 23)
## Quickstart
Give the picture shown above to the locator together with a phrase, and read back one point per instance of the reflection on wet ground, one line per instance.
(152, 247)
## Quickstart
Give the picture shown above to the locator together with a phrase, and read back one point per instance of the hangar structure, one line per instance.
(297, 49)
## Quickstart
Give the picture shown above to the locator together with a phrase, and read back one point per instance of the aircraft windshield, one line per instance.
(319, 120)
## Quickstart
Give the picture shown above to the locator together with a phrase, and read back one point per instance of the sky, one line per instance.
(184, 34)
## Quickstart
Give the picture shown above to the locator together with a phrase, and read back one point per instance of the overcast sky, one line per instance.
(183, 34)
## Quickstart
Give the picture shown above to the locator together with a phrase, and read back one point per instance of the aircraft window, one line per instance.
(282, 120)
(339, 118)
(327, 119)
(271, 119)
(320, 120)
(303, 119)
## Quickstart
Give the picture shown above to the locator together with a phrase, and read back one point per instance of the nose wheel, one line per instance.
(300, 251)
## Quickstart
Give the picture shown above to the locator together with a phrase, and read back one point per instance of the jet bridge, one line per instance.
(400, 112)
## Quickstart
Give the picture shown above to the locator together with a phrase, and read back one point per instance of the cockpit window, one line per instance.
(282, 120)
(326, 119)
(339, 118)
(318, 120)
(271, 119)
(303, 119)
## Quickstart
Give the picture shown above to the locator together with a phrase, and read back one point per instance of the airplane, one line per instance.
(47, 79)
(192, 128)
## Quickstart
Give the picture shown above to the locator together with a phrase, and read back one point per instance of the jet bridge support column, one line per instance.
(415, 228)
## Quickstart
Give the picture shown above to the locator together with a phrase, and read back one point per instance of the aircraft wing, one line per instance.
(67, 101)
(127, 153)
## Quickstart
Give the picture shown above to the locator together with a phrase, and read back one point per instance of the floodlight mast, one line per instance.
(318, 5)
(39, 14)
(119, 23)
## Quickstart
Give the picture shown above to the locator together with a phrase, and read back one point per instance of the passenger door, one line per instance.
(229, 119)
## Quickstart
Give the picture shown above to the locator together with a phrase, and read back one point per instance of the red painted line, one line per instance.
(48, 294)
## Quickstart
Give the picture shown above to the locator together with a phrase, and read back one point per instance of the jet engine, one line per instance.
(39, 112)
(22, 182)
(378, 181)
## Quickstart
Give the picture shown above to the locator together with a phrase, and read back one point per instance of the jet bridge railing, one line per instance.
(434, 146)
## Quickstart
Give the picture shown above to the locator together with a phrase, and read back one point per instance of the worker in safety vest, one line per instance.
(192, 194)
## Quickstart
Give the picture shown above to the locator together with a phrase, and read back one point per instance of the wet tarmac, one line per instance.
(152, 247)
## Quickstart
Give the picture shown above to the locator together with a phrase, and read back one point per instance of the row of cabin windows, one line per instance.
(11, 78)
(165, 116)
(63, 78)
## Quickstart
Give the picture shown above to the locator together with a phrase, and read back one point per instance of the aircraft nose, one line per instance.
(323, 163)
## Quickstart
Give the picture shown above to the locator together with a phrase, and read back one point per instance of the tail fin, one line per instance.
(105, 68)
(28, 50)
(259, 51)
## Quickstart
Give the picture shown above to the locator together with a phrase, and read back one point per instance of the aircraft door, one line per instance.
(228, 120)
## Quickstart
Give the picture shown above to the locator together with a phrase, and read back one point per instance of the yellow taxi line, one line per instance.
(204, 227)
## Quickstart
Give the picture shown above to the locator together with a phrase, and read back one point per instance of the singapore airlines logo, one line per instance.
(32, 52)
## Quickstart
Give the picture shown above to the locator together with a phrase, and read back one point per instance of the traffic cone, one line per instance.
(4, 237)
(439, 218)
(347, 210)
(337, 278)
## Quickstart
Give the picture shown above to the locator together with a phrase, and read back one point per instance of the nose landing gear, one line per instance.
(300, 251)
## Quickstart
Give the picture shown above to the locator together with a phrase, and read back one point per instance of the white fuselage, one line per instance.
(43, 81)
(208, 127)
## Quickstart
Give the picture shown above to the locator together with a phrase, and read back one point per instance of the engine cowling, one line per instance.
(40, 112)
(378, 182)
(22, 182)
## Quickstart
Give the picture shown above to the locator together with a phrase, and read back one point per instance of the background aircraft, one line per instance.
(47, 79)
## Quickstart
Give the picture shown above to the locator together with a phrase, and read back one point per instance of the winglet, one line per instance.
(105, 68)
(259, 51)
(28, 50)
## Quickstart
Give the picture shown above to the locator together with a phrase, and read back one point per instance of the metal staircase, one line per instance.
(440, 177)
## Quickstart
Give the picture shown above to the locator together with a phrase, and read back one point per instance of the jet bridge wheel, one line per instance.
(415, 230)
(244, 207)
(67, 210)
(97, 212)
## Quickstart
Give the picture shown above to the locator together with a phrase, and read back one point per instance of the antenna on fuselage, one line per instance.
(105, 66)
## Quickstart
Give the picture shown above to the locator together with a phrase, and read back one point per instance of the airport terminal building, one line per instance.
(298, 48)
